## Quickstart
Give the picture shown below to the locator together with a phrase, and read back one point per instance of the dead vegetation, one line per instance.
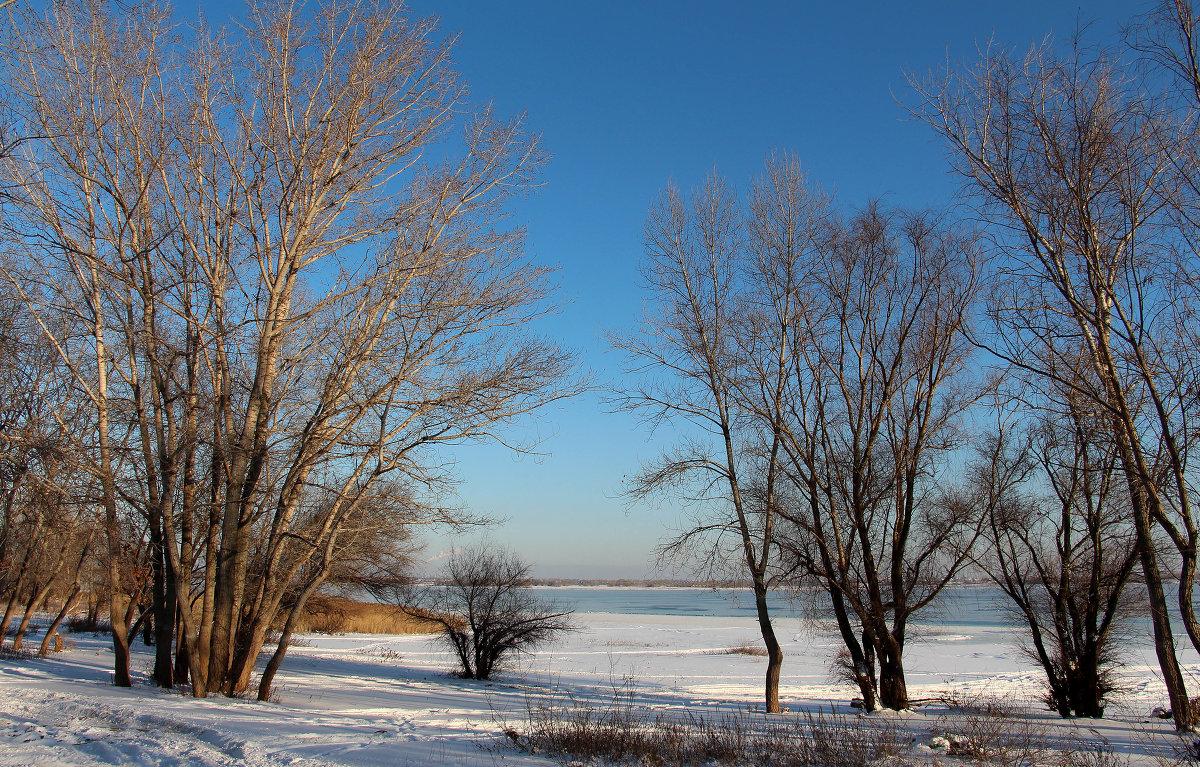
(973, 730)
(745, 649)
(332, 615)
(622, 731)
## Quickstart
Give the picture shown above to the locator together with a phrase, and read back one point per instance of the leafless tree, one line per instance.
(280, 310)
(823, 359)
(876, 390)
(45, 523)
(486, 610)
(1167, 39)
(689, 352)
(1076, 170)
(1061, 546)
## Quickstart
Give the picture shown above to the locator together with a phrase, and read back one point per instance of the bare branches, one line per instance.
(1085, 181)
(281, 307)
(487, 611)
(818, 363)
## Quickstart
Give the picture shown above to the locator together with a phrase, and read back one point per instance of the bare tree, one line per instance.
(288, 311)
(486, 610)
(1075, 170)
(46, 519)
(690, 354)
(876, 389)
(1063, 555)
(1165, 39)
(825, 359)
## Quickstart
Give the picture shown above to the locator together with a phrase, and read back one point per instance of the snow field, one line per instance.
(370, 701)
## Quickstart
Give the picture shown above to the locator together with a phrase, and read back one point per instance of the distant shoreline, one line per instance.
(671, 583)
(633, 583)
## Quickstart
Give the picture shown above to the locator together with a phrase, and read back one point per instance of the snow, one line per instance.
(369, 700)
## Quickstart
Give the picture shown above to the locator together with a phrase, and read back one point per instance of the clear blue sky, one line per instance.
(629, 95)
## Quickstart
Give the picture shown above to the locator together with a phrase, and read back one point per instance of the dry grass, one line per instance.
(976, 730)
(621, 732)
(330, 615)
(8, 653)
(990, 730)
(977, 703)
(78, 624)
(745, 649)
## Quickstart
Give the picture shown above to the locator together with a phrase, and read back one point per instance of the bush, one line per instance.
(757, 651)
(991, 730)
(79, 624)
(486, 610)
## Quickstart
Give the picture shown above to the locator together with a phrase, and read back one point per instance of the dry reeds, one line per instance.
(331, 615)
(745, 649)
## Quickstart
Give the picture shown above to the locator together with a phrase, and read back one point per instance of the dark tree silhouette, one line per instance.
(487, 611)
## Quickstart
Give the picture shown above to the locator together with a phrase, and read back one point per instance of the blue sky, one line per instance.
(630, 95)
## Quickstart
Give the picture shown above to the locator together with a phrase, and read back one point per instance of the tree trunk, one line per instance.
(120, 637)
(232, 564)
(862, 656)
(52, 629)
(182, 650)
(1164, 641)
(163, 606)
(774, 652)
(268, 675)
(116, 550)
(187, 662)
(893, 692)
(34, 603)
(1083, 685)
(251, 639)
(203, 682)
(15, 598)
(9, 609)
(1187, 583)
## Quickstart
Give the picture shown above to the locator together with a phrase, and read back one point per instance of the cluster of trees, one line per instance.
(252, 280)
(249, 288)
(47, 527)
(840, 368)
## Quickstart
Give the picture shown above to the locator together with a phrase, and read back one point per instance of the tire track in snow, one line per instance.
(49, 728)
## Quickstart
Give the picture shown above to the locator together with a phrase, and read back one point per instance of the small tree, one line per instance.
(486, 611)
(1061, 546)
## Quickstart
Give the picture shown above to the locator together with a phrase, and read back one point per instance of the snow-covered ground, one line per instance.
(371, 700)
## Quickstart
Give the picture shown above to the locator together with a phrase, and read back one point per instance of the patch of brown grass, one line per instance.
(332, 615)
(745, 649)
